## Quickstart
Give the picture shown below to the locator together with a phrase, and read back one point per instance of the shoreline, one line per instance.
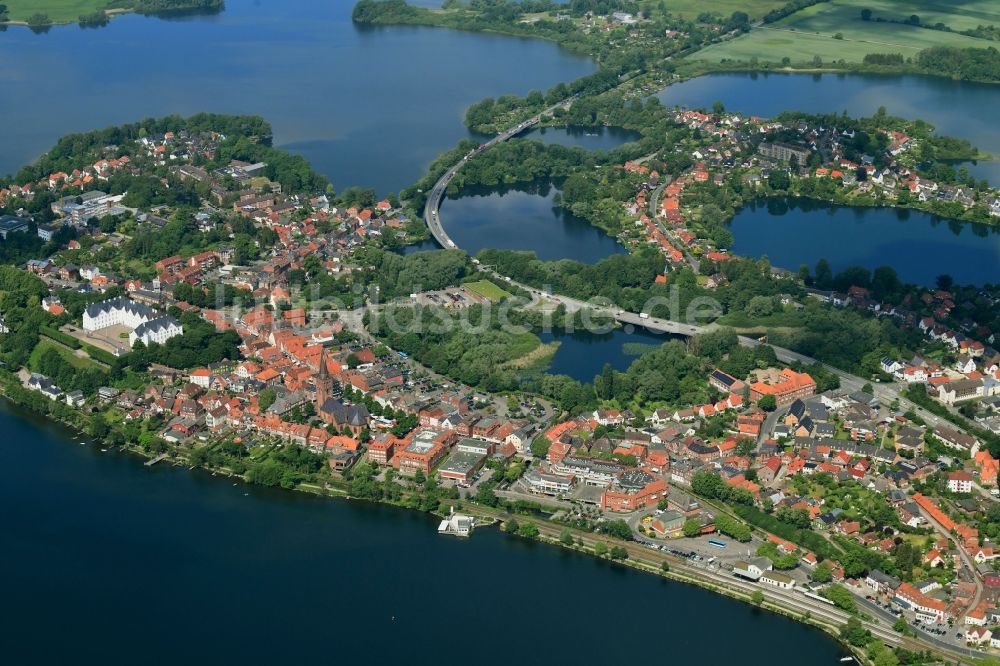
(110, 13)
(863, 201)
(549, 532)
(439, 18)
(741, 67)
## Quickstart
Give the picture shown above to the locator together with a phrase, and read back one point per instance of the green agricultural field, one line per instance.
(813, 31)
(59, 11)
(487, 289)
(958, 15)
(690, 9)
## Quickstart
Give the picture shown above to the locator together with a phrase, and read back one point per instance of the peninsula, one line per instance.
(688, 39)
(41, 14)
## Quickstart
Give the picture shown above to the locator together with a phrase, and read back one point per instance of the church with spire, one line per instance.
(323, 382)
(344, 417)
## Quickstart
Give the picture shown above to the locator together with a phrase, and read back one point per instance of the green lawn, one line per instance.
(811, 32)
(59, 11)
(67, 355)
(487, 289)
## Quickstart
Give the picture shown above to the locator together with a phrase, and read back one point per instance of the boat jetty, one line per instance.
(457, 524)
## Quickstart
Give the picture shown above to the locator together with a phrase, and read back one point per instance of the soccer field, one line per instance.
(813, 31)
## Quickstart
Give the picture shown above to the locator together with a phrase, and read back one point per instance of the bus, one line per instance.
(716, 543)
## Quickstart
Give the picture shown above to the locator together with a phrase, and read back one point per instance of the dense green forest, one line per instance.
(468, 346)
(73, 149)
(168, 6)
(967, 64)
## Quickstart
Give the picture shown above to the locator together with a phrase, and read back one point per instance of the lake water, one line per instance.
(955, 108)
(792, 232)
(523, 217)
(121, 560)
(582, 354)
(367, 106)
(589, 138)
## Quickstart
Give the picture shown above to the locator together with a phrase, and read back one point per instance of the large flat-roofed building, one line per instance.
(548, 483)
(426, 448)
(591, 471)
(479, 446)
(11, 224)
(784, 152)
(461, 466)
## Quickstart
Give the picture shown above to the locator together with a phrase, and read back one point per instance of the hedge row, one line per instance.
(60, 337)
(100, 355)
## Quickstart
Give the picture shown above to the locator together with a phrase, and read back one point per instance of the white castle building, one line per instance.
(147, 324)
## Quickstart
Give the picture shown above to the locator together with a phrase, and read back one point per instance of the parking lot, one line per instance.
(455, 297)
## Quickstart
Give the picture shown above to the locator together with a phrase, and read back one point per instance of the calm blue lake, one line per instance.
(367, 106)
(582, 354)
(181, 567)
(523, 217)
(792, 232)
(589, 138)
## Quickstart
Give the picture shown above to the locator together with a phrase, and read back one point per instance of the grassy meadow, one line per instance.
(835, 30)
(59, 11)
(487, 289)
(690, 9)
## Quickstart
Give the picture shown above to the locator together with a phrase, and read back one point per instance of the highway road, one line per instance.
(432, 216)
